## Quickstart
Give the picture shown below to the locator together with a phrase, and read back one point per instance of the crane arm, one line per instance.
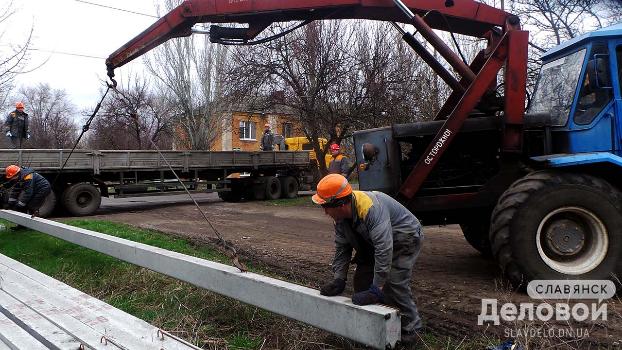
(462, 16)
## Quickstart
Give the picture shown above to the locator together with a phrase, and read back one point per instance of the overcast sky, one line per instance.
(75, 27)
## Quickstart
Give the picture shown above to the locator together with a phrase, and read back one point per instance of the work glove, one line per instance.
(8, 134)
(335, 287)
(371, 296)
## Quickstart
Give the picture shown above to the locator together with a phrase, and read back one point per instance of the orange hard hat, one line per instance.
(19, 105)
(334, 147)
(330, 188)
(11, 171)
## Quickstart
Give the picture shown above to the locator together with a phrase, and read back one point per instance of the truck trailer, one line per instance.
(90, 174)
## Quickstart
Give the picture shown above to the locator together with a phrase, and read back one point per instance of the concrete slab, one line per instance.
(14, 337)
(39, 312)
(377, 326)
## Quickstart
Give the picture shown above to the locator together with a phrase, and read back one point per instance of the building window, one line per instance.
(288, 129)
(247, 131)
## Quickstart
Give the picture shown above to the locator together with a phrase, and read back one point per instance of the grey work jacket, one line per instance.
(339, 165)
(380, 228)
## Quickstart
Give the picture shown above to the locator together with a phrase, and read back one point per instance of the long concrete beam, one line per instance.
(375, 325)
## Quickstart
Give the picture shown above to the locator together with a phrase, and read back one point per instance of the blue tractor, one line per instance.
(552, 210)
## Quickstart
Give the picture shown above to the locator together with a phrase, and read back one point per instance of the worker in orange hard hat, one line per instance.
(339, 163)
(387, 239)
(28, 189)
(267, 139)
(16, 126)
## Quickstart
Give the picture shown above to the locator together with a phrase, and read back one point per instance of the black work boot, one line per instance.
(17, 228)
(411, 340)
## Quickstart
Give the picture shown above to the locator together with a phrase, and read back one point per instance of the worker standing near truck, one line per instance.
(16, 126)
(338, 163)
(387, 240)
(28, 189)
(267, 139)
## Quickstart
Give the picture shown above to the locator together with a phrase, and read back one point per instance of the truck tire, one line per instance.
(236, 191)
(81, 199)
(273, 187)
(289, 187)
(230, 196)
(551, 225)
(477, 234)
(47, 208)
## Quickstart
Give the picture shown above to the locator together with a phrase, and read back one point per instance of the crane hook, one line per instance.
(110, 70)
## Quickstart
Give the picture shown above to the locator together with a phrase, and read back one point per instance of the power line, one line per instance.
(117, 9)
(59, 52)
(67, 53)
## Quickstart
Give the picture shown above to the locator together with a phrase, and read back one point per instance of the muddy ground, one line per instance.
(449, 281)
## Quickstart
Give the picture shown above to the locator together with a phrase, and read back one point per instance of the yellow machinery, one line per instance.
(303, 144)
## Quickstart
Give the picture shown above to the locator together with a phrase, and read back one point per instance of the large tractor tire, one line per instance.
(48, 206)
(551, 225)
(273, 187)
(477, 234)
(81, 199)
(289, 187)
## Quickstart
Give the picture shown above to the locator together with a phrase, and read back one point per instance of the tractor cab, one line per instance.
(577, 103)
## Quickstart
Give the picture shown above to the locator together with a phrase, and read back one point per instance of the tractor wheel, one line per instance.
(47, 208)
(551, 226)
(81, 199)
(477, 234)
(273, 187)
(289, 187)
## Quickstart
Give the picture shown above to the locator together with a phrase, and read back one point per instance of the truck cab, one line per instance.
(578, 102)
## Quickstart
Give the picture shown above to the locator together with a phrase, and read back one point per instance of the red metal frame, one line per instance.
(466, 17)
(515, 40)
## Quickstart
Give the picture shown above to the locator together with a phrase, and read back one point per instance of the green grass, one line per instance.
(202, 317)
(160, 300)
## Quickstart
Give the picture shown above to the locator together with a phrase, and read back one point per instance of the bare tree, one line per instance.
(13, 58)
(131, 118)
(298, 70)
(51, 117)
(337, 77)
(190, 71)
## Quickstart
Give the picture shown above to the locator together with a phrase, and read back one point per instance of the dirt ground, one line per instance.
(449, 281)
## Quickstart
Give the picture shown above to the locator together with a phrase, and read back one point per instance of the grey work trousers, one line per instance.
(397, 292)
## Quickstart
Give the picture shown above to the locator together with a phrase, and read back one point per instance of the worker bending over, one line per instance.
(28, 189)
(387, 240)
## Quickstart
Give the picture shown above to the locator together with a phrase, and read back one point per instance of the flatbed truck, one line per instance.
(90, 174)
